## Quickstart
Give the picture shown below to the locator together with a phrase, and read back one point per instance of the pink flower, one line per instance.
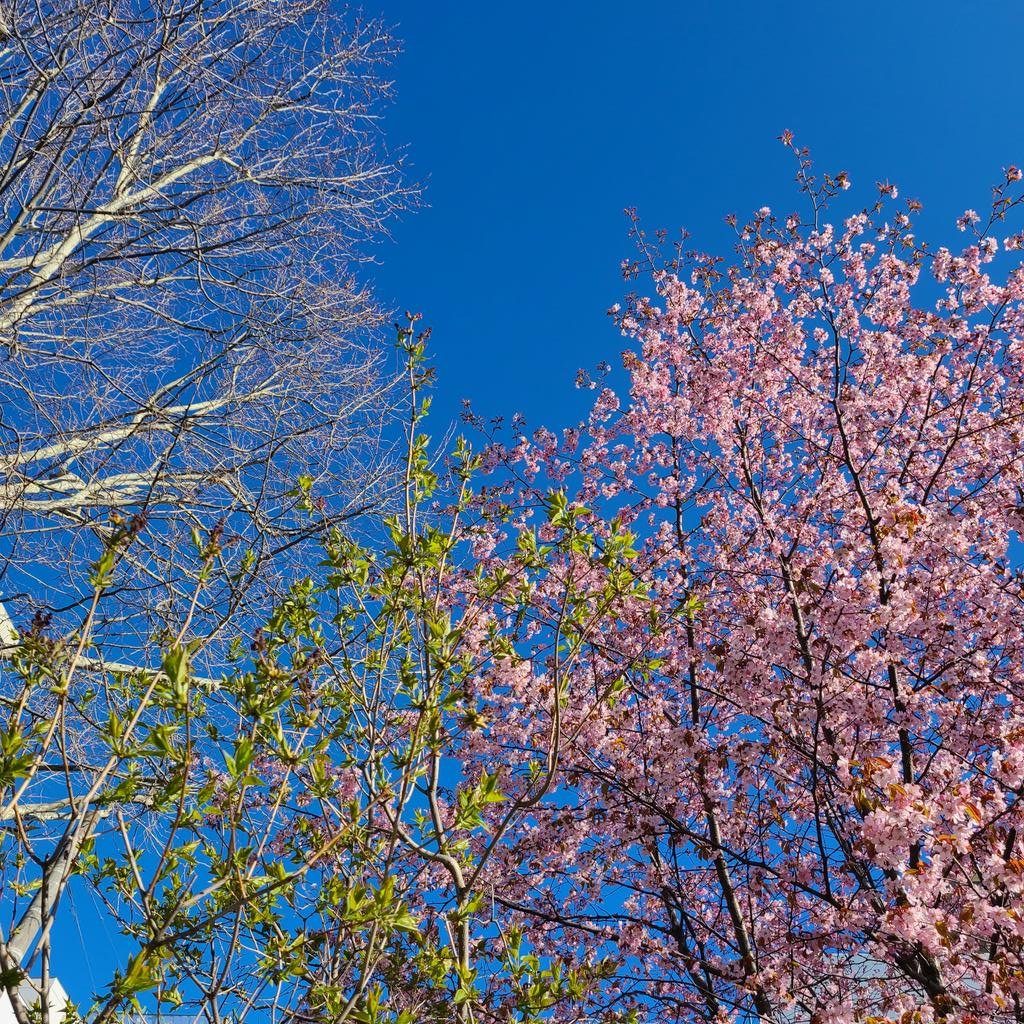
(967, 218)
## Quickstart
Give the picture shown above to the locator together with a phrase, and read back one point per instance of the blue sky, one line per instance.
(533, 125)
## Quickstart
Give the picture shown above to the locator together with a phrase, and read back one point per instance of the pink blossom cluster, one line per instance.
(790, 758)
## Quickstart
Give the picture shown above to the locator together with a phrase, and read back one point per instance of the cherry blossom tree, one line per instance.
(784, 765)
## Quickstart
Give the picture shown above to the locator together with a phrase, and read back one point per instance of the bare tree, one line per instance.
(186, 186)
(190, 385)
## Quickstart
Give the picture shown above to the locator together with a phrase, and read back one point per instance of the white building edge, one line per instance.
(29, 992)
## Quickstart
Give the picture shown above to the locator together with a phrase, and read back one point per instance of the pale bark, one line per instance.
(187, 192)
(187, 187)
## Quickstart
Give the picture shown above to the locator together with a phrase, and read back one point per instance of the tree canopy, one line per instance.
(187, 191)
(704, 709)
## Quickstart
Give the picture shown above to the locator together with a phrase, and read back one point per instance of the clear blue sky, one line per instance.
(533, 125)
